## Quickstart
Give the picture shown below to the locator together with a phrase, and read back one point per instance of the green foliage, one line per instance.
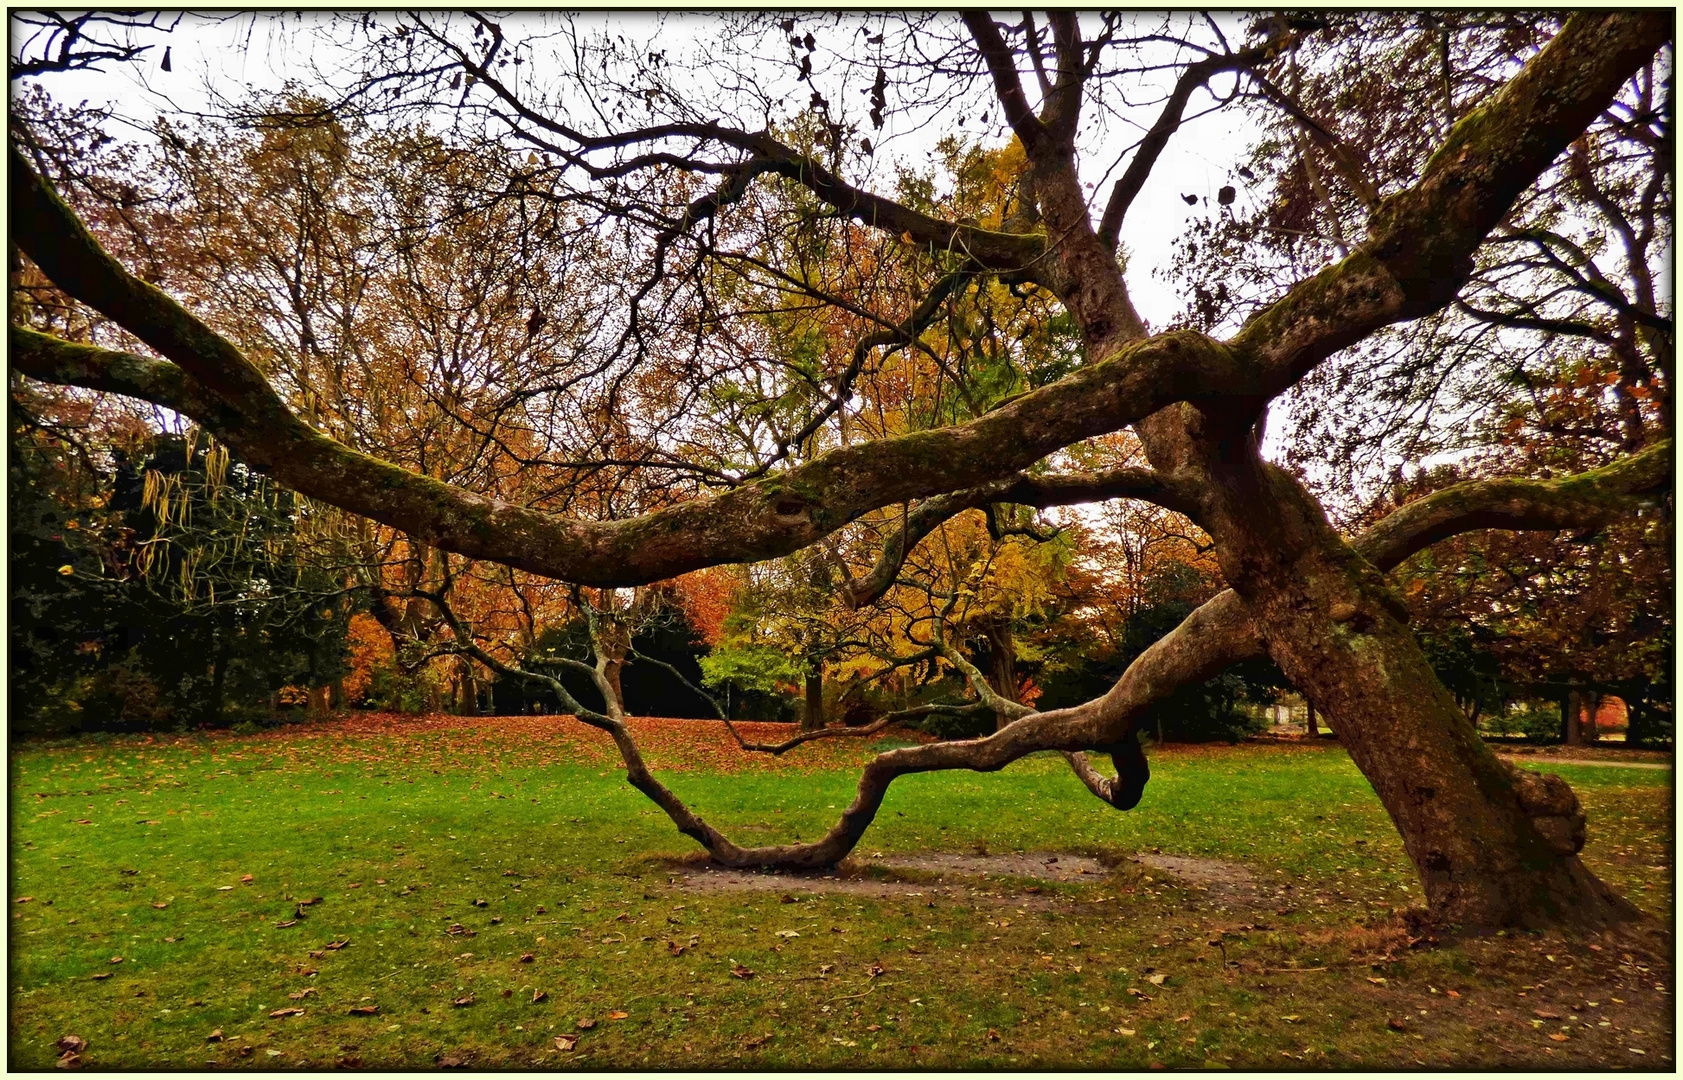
(158, 587)
(1210, 711)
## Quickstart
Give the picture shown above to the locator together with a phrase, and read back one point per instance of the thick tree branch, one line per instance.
(1584, 501)
(1007, 85)
(1421, 240)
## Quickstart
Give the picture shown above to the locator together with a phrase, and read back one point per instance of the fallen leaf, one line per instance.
(1545, 1014)
(72, 1044)
(1188, 1016)
(1292, 1019)
(300, 995)
(1558, 1037)
(23, 900)
(116, 960)
(1396, 1024)
(458, 930)
(1157, 979)
(215, 1036)
(160, 907)
(246, 879)
(539, 995)
(452, 1061)
(788, 933)
(507, 992)
(825, 969)
(786, 899)
(287, 923)
(756, 1042)
(674, 948)
(566, 1042)
(70, 1061)
(335, 946)
(1126, 1032)
(527, 958)
(89, 821)
(874, 970)
(463, 1002)
(103, 975)
(740, 972)
(224, 888)
(586, 1023)
(364, 1010)
(293, 1011)
(1377, 982)
(1452, 993)
(993, 1036)
(307, 903)
(617, 1015)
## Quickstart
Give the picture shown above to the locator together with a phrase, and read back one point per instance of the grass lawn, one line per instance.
(495, 884)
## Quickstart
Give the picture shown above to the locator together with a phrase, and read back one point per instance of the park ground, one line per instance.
(384, 891)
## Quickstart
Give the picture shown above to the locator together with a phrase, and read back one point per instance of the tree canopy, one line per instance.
(556, 298)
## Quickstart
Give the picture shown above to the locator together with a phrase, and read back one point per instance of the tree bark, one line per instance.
(1002, 666)
(1571, 718)
(813, 718)
(1314, 729)
(1493, 846)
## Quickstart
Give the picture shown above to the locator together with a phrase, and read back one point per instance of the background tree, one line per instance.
(679, 176)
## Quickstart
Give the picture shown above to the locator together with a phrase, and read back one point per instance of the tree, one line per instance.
(1492, 845)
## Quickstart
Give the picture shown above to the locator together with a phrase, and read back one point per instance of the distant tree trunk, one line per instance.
(1002, 664)
(813, 718)
(612, 640)
(1313, 726)
(1571, 719)
(1592, 714)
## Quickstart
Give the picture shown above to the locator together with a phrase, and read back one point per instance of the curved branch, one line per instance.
(1061, 489)
(1127, 188)
(1586, 500)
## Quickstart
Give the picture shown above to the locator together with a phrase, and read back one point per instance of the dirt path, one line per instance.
(1004, 879)
(1520, 759)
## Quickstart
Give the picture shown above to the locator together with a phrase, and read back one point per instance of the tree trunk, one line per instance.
(612, 640)
(1493, 846)
(1592, 715)
(1313, 728)
(813, 718)
(1571, 718)
(1002, 665)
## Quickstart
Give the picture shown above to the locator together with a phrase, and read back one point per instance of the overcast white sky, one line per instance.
(263, 52)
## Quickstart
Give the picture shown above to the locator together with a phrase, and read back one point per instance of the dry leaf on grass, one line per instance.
(279, 1014)
(586, 1023)
(740, 972)
(364, 1010)
(566, 1042)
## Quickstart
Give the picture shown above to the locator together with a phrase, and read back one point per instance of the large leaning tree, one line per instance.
(730, 213)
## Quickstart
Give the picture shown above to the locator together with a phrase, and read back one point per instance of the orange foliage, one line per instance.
(370, 648)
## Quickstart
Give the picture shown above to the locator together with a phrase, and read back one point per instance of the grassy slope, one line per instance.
(401, 831)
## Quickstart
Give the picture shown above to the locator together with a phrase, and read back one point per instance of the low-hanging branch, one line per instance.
(1418, 253)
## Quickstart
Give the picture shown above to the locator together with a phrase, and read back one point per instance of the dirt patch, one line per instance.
(1214, 875)
(998, 879)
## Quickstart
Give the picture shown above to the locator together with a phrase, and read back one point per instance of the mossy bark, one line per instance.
(1493, 847)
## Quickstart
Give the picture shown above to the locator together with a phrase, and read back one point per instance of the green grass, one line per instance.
(401, 834)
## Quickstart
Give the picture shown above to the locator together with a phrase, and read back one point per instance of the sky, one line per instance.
(263, 52)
